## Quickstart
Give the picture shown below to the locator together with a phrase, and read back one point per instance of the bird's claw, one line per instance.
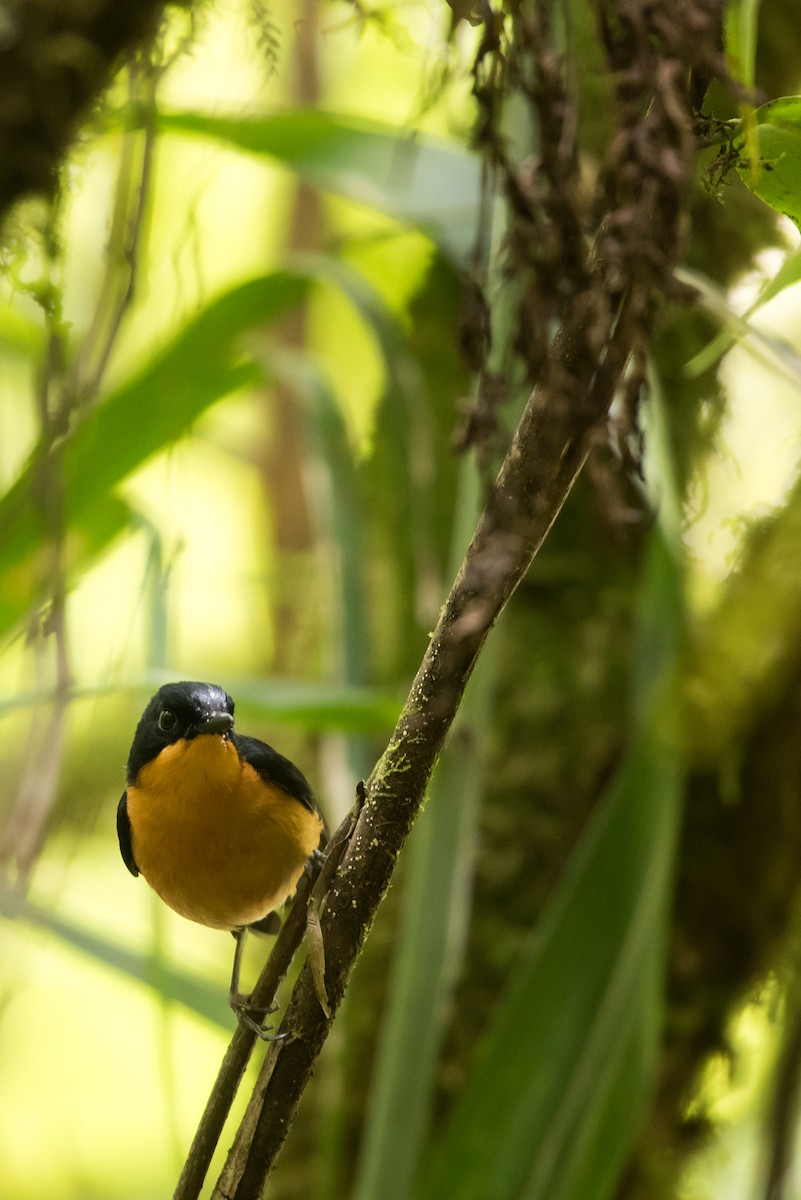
(314, 862)
(243, 1009)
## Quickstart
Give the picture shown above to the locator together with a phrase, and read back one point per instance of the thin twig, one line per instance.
(132, 193)
(24, 830)
(60, 398)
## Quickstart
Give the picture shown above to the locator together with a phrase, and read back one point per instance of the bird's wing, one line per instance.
(269, 924)
(276, 769)
(124, 834)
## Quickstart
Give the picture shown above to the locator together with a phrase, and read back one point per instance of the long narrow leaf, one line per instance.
(339, 518)
(319, 706)
(787, 276)
(430, 184)
(205, 999)
(742, 20)
(21, 581)
(774, 352)
(309, 705)
(204, 361)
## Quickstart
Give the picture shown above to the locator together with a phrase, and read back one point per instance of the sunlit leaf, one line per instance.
(19, 336)
(774, 351)
(206, 360)
(787, 276)
(21, 580)
(205, 999)
(410, 478)
(430, 184)
(310, 705)
(341, 520)
(773, 170)
(742, 20)
(317, 706)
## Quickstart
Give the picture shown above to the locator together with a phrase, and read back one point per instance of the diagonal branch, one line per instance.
(238, 1053)
(533, 484)
(643, 197)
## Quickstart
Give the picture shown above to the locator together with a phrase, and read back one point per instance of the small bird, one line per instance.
(220, 825)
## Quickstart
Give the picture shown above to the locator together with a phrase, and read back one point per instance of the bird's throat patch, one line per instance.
(185, 770)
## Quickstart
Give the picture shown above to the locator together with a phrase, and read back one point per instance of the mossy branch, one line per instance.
(56, 58)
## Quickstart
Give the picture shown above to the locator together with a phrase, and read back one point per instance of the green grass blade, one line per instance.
(775, 352)
(431, 184)
(339, 520)
(425, 964)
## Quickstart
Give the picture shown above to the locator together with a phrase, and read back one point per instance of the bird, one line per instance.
(220, 825)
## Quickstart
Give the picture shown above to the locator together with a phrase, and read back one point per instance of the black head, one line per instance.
(178, 710)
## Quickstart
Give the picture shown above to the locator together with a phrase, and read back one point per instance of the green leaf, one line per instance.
(206, 360)
(424, 970)
(206, 999)
(22, 584)
(340, 520)
(309, 705)
(19, 336)
(788, 275)
(776, 353)
(317, 706)
(328, 434)
(742, 22)
(562, 1080)
(773, 170)
(431, 184)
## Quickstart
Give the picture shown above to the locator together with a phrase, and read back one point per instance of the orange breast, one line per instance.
(217, 843)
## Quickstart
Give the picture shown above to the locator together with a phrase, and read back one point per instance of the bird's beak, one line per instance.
(215, 723)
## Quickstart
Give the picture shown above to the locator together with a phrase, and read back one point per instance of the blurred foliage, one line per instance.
(230, 385)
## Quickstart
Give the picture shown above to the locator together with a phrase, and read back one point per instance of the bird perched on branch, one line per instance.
(220, 825)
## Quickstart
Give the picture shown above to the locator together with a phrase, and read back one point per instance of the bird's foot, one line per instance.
(314, 863)
(246, 1014)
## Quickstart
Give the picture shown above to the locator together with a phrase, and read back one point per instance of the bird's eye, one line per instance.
(167, 720)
